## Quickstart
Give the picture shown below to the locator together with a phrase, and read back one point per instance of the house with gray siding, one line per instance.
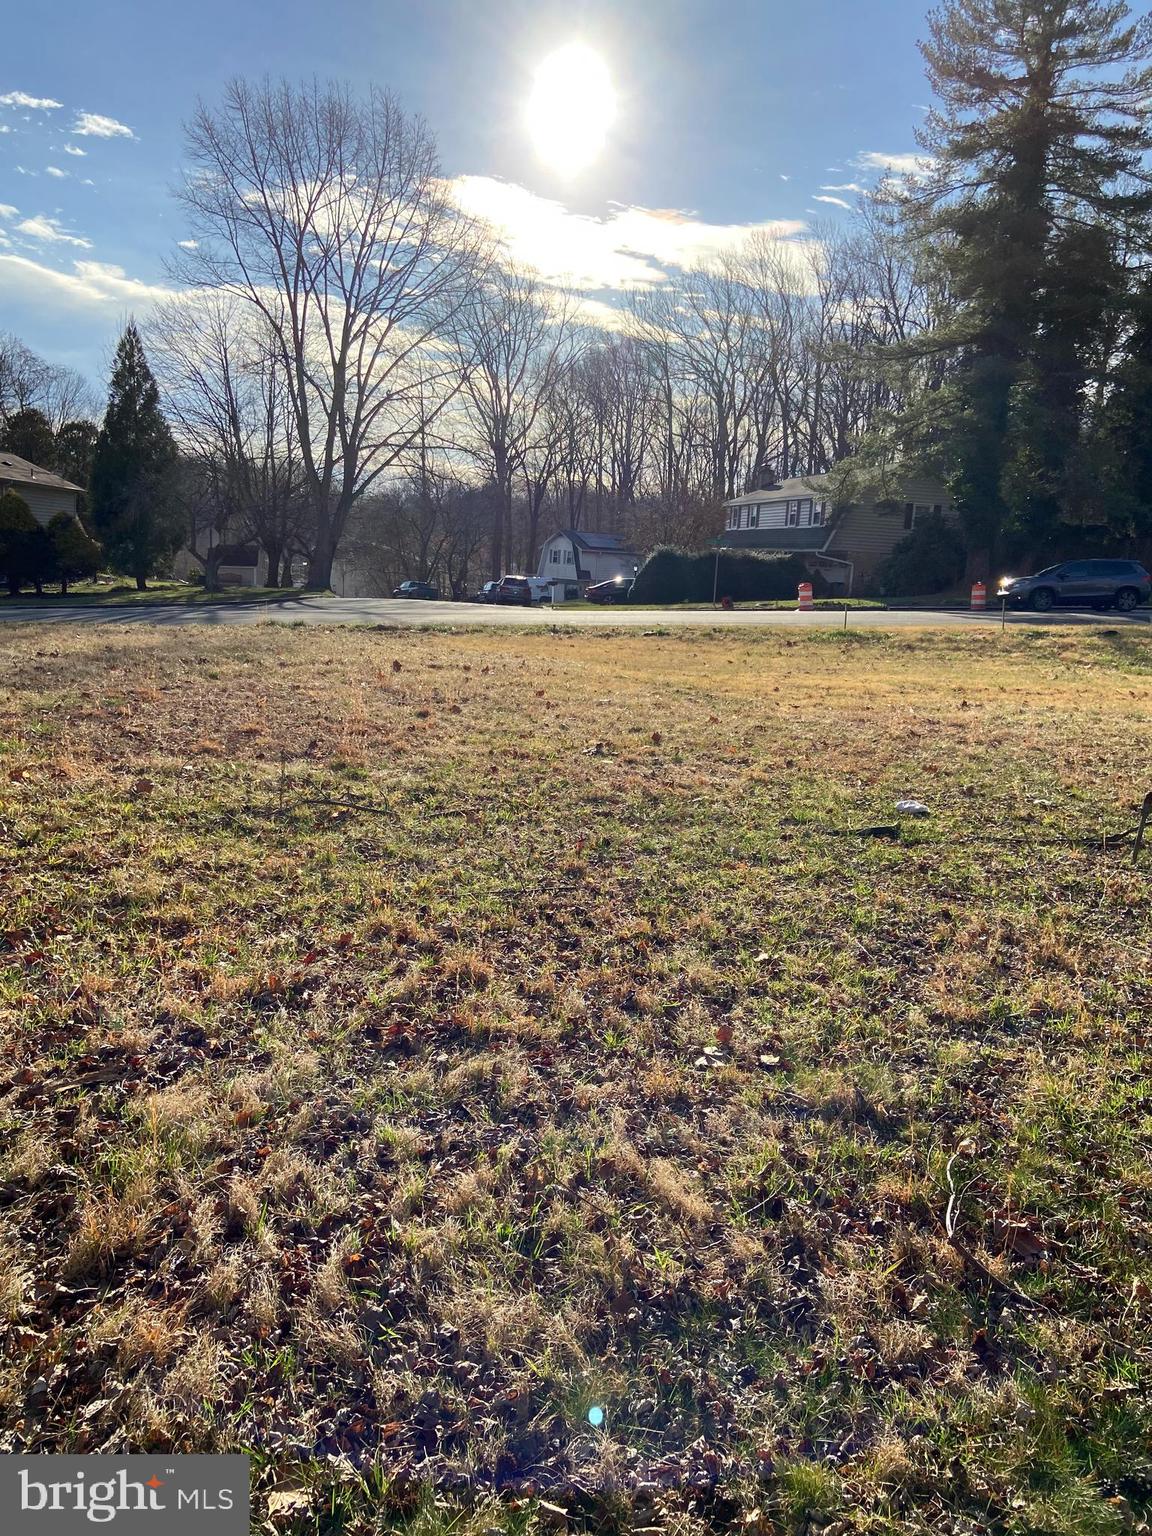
(844, 543)
(45, 493)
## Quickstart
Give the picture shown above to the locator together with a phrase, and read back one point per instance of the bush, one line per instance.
(76, 555)
(929, 559)
(745, 575)
(25, 549)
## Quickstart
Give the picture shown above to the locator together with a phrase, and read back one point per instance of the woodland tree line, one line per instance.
(350, 369)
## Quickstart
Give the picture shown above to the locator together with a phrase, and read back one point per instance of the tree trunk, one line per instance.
(63, 586)
(320, 566)
(141, 583)
(275, 554)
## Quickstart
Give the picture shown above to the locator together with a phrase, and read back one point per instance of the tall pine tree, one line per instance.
(1041, 119)
(131, 498)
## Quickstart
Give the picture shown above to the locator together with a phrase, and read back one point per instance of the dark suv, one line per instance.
(1099, 584)
(423, 589)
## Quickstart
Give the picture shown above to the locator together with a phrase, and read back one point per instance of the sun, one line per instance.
(571, 108)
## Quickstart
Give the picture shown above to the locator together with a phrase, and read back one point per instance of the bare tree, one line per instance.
(228, 396)
(27, 382)
(327, 214)
(516, 341)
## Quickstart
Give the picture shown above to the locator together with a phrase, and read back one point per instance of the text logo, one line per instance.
(56, 1495)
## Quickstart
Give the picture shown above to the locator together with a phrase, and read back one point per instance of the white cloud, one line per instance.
(43, 228)
(844, 186)
(897, 165)
(93, 287)
(92, 125)
(627, 247)
(188, 245)
(608, 317)
(837, 202)
(4, 128)
(54, 170)
(8, 211)
(22, 99)
(74, 149)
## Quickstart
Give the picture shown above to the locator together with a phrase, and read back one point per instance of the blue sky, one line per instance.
(730, 114)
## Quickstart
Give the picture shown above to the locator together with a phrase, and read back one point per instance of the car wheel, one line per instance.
(1127, 598)
(1042, 599)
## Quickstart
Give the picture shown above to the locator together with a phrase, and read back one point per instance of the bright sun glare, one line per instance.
(571, 108)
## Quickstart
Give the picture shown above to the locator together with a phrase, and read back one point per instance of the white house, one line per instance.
(45, 493)
(239, 564)
(846, 543)
(572, 560)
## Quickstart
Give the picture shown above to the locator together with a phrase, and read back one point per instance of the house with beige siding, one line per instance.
(843, 542)
(45, 493)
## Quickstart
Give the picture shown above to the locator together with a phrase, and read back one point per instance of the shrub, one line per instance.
(24, 546)
(76, 553)
(745, 575)
(928, 559)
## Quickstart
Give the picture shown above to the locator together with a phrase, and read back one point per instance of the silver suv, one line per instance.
(1098, 584)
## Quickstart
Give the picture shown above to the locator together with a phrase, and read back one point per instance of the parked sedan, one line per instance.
(615, 591)
(1099, 584)
(486, 594)
(423, 589)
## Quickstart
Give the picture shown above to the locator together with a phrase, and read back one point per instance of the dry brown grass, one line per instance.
(565, 1079)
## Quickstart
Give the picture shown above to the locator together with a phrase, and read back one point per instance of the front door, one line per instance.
(1075, 582)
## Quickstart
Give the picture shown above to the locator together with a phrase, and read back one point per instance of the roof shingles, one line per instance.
(17, 471)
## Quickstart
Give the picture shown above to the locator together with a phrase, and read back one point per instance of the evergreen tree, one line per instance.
(28, 433)
(1040, 123)
(131, 498)
(75, 445)
(1125, 447)
(21, 546)
(76, 555)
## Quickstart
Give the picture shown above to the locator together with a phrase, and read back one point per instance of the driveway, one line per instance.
(400, 611)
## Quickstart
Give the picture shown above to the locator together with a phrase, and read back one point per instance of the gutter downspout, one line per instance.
(836, 560)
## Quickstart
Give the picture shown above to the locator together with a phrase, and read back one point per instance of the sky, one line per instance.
(728, 115)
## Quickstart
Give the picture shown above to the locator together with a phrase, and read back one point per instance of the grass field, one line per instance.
(112, 594)
(414, 1042)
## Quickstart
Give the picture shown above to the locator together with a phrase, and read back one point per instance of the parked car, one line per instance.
(423, 589)
(615, 591)
(486, 594)
(524, 590)
(1099, 584)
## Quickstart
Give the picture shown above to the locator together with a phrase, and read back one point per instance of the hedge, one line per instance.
(671, 575)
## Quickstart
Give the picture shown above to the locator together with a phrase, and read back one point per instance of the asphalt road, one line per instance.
(392, 611)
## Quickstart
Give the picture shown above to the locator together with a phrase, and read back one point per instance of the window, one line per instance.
(817, 514)
(753, 517)
(793, 513)
(806, 512)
